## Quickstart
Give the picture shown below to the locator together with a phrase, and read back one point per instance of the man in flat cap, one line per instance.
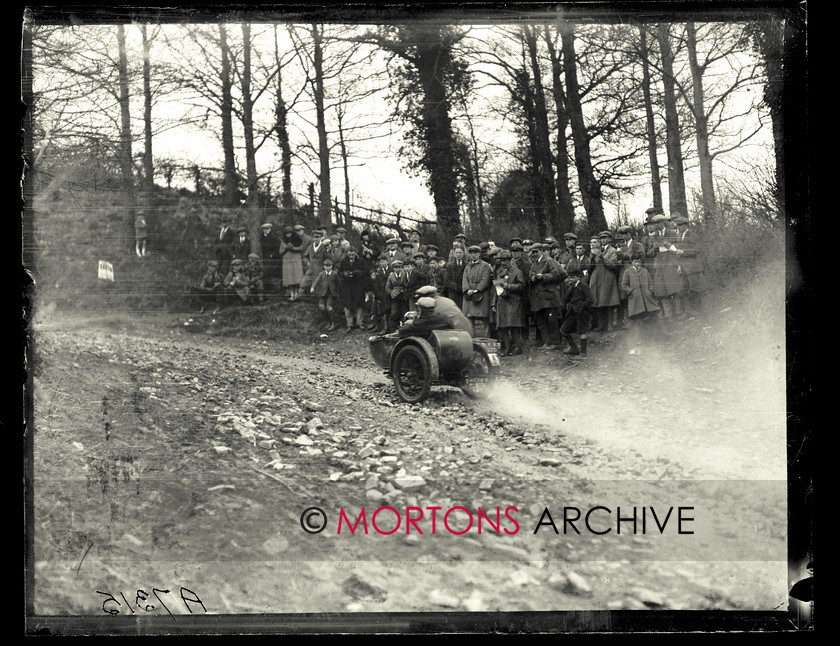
(453, 275)
(241, 245)
(446, 307)
(626, 248)
(342, 242)
(475, 285)
(396, 288)
(416, 245)
(521, 261)
(508, 286)
(662, 261)
(392, 251)
(417, 276)
(690, 266)
(223, 242)
(545, 277)
(568, 253)
(603, 279)
(313, 260)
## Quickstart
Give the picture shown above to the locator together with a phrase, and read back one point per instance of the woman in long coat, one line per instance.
(603, 281)
(291, 253)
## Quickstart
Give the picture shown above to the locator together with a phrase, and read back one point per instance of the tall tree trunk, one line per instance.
(252, 203)
(231, 184)
(345, 166)
(676, 178)
(655, 179)
(323, 148)
(543, 162)
(565, 206)
(527, 101)
(707, 185)
(281, 128)
(590, 189)
(433, 57)
(126, 163)
(148, 162)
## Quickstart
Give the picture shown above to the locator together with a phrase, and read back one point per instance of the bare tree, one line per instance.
(676, 178)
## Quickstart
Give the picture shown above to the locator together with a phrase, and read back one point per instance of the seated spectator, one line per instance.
(209, 287)
(577, 315)
(236, 285)
(325, 289)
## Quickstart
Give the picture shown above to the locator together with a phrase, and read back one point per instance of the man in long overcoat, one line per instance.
(508, 287)
(603, 281)
(453, 275)
(475, 285)
(690, 266)
(544, 278)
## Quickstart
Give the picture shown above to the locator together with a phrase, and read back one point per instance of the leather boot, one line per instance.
(583, 341)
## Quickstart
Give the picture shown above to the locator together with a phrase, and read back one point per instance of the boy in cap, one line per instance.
(626, 248)
(395, 286)
(637, 286)
(417, 276)
(325, 288)
(209, 286)
(342, 240)
(576, 319)
(381, 310)
(475, 285)
(416, 245)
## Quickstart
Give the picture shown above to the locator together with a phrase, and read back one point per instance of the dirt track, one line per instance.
(166, 457)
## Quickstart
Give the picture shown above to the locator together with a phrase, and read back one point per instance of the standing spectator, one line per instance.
(453, 275)
(603, 281)
(334, 249)
(417, 276)
(637, 285)
(368, 249)
(436, 271)
(291, 258)
(667, 281)
(305, 240)
(270, 255)
(520, 260)
(626, 248)
(223, 244)
(141, 234)
(392, 252)
(690, 267)
(396, 288)
(508, 286)
(313, 259)
(325, 289)
(460, 240)
(432, 253)
(241, 245)
(545, 276)
(352, 271)
(576, 319)
(580, 262)
(475, 285)
(381, 300)
(369, 252)
(341, 241)
(416, 246)
(570, 239)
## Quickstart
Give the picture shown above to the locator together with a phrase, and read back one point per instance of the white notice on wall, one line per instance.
(106, 271)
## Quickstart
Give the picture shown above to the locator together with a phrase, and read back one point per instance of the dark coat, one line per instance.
(579, 299)
(453, 275)
(509, 303)
(429, 319)
(545, 291)
(223, 241)
(452, 312)
(476, 276)
(239, 249)
(353, 274)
